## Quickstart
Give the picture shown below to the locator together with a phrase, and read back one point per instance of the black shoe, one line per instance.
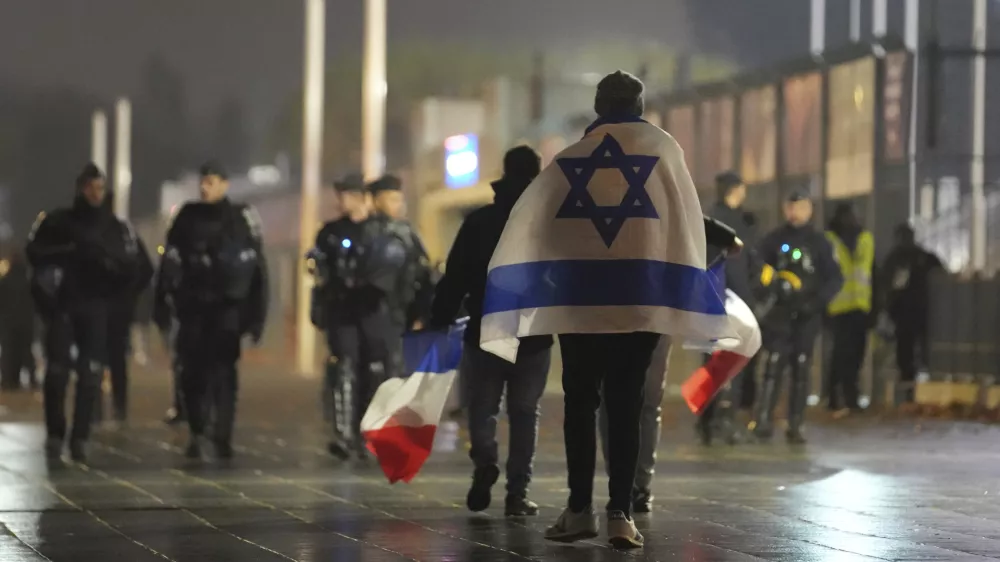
(224, 449)
(704, 430)
(642, 502)
(193, 450)
(339, 450)
(78, 451)
(795, 437)
(519, 506)
(483, 480)
(763, 433)
(54, 447)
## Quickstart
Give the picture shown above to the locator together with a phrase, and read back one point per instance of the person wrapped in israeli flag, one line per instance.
(606, 248)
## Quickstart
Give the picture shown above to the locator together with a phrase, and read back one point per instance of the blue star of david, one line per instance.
(608, 219)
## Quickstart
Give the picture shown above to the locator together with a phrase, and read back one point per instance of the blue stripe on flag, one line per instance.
(433, 352)
(603, 283)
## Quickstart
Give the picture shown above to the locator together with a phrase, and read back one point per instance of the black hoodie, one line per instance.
(465, 273)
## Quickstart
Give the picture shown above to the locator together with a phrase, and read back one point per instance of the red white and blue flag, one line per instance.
(404, 414)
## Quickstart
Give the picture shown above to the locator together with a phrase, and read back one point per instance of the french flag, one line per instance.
(403, 417)
(728, 356)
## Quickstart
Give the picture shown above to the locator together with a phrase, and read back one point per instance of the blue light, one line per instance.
(461, 161)
(784, 247)
(345, 243)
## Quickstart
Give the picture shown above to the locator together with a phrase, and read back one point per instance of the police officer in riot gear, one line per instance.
(213, 279)
(79, 260)
(800, 279)
(359, 267)
(413, 299)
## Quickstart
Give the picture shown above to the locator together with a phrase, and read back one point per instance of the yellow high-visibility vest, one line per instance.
(856, 295)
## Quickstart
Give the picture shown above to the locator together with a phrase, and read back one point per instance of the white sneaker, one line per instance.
(622, 533)
(572, 527)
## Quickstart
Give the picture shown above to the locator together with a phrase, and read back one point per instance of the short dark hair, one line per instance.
(522, 162)
(89, 173)
(351, 183)
(213, 168)
(387, 182)
(726, 182)
(619, 93)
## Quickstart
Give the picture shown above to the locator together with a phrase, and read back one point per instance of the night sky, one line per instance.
(253, 48)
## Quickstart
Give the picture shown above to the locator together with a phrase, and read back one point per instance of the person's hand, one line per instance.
(736, 248)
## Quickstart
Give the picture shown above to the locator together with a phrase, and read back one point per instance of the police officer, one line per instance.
(718, 418)
(79, 260)
(121, 314)
(359, 267)
(802, 279)
(414, 300)
(213, 279)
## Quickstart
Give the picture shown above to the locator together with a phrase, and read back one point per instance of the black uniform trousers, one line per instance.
(789, 345)
(362, 356)
(588, 361)
(208, 348)
(850, 338)
(84, 325)
(119, 346)
(16, 355)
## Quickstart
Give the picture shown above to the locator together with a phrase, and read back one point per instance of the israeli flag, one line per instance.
(609, 238)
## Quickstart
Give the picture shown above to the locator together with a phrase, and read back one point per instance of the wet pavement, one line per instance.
(865, 489)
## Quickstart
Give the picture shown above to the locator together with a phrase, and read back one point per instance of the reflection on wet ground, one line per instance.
(864, 490)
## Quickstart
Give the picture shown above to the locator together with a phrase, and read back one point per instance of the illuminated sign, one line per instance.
(461, 161)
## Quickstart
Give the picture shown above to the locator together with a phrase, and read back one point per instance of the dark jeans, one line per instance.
(85, 325)
(649, 423)
(208, 348)
(588, 361)
(487, 376)
(911, 352)
(850, 338)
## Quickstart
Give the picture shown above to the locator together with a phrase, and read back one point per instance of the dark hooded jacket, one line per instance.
(464, 278)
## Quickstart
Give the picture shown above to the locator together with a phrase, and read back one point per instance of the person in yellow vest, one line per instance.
(850, 312)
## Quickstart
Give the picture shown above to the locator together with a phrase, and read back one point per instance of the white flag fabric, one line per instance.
(609, 238)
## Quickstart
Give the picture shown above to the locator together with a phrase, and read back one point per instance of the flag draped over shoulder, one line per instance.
(404, 414)
(608, 238)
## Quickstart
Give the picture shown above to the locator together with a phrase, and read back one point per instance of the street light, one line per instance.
(312, 151)
(374, 90)
(123, 157)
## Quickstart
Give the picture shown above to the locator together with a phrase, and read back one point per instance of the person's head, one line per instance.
(214, 182)
(798, 208)
(521, 165)
(619, 93)
(90, 185)
(731, 189)
(351, 191)
(387, 196)
(844, 218)
(905, 236)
